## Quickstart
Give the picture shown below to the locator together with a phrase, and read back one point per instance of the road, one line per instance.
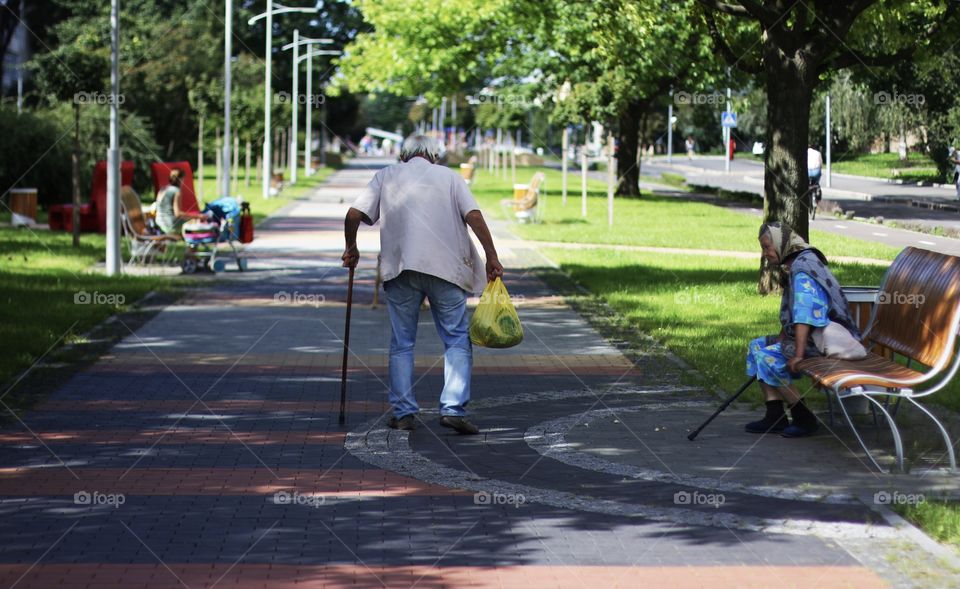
(866, 197)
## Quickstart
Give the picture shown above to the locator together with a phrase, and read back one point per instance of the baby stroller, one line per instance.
(203, 237)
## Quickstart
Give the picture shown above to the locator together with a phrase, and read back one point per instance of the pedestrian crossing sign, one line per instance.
(729, 118)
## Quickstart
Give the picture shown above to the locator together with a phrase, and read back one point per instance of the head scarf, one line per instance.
(785, 241)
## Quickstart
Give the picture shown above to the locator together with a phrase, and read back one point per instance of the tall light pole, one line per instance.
(113, 152)
(227, 54)
(307, 142)
(299, 41)
(272, 9)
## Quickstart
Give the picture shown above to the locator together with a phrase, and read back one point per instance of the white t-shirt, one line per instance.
(814, 160)
(421, 208)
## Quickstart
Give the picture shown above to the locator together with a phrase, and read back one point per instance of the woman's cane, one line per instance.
(726, 404)
(346, 346)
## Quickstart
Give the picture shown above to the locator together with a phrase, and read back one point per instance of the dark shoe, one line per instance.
(407, 422)
(767, 425)
(801, 430)
(460, 424)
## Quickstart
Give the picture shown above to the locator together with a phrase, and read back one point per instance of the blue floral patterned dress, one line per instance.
(811, 306)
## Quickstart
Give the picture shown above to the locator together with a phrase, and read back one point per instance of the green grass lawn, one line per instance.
(658, 221)
(706, 310)
(42, 284)
(938, 519)
(888, 165)
(41, 274)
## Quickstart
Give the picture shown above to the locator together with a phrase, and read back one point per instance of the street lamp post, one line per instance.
(113, 153)
(227, 51)
(272, 9)
(299, 41)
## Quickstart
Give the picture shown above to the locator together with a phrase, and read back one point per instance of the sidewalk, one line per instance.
(204, 450)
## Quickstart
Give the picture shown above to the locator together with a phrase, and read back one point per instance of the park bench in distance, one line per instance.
(916, 316)
(524, 204)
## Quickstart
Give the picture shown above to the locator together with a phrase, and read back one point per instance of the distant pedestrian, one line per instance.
(954, 158)
(424, 211)
(691, 146)
(814, 164)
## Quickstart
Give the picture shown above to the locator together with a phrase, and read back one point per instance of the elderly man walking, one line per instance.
(424, 210)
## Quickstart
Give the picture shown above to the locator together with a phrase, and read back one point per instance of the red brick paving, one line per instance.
(177, 436)
(272, 576)
(28, 482)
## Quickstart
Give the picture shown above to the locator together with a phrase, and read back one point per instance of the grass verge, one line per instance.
(705, 310)
(50, 297)
(939, 519)
(658, 221)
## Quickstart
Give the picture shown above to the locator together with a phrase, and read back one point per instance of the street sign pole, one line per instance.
(827, 149)
(670, 128)
(726, 140)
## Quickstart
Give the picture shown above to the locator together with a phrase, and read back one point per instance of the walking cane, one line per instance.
(346, 346)
(719, 410)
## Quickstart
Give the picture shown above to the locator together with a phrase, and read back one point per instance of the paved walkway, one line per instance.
(204, 451)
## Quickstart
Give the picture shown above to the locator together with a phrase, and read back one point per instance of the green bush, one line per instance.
(34, 153)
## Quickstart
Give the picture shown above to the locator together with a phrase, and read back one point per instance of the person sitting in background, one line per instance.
(811, 299)
(169, 207)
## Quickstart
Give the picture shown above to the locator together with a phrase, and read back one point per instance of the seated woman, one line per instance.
(170, 213)
(811, 298)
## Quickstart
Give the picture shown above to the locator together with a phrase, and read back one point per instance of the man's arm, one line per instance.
(351, 223)
(475, 220)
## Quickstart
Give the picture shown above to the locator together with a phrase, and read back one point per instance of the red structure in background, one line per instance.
(93, 214)
(161, 175)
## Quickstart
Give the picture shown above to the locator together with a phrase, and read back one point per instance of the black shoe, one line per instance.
(801, 430)
(407, 422)
(767, 425)
(460, 424)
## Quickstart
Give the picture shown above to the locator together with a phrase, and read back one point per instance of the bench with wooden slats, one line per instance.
(916, 316)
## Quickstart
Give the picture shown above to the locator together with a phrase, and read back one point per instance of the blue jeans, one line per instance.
(448, 303)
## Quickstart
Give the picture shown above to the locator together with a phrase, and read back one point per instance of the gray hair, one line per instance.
(420, 145)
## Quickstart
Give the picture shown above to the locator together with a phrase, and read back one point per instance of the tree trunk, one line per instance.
(75, 161)
(790, 83)
(628, 183)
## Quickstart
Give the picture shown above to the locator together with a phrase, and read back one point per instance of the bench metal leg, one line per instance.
(897, 442)
(943, 432)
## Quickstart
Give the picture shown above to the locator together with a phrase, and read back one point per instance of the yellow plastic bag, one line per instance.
(495, 323)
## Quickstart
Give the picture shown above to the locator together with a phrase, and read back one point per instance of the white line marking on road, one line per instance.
(879, 234)
(840, 226)
(926, 242)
